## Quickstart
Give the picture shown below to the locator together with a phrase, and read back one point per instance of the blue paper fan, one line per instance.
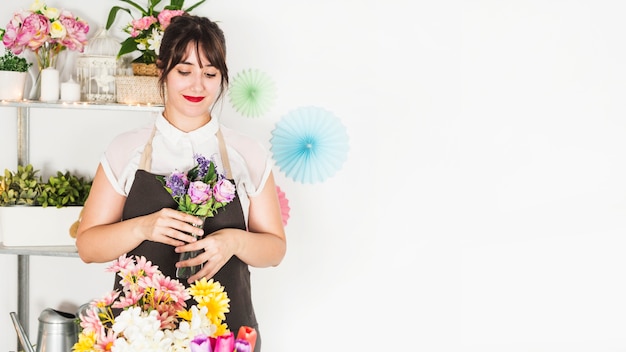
(252, 93)
(309, 144)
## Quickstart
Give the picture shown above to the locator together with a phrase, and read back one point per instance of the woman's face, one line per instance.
(192, 86)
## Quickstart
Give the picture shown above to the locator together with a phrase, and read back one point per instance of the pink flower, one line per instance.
(144, 267)
(90, 321)
(129, 300)
(76, 32)
(165, 17)
(12, 31)
(141, 24)
(34, 32)
(225, 343)
(106, 339)
(108, 299)
(224, 191)
(170, 288)
(199, 192)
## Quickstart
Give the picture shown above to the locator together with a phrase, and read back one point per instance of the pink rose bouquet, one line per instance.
(46, 31)
(146, 31)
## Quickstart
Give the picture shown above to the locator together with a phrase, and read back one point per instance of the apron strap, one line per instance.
(224, 154)
(145, 163)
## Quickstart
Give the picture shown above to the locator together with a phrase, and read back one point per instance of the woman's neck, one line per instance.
(186, 123)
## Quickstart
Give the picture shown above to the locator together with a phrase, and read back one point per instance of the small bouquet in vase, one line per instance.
(201, 191)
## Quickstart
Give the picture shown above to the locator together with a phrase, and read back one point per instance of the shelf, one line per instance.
(49, 251)
(79, 105)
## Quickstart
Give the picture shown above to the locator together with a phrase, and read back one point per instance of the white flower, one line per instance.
(51, 12)
(36, 6)
(187, 331)
(141, 332)
(155, 40)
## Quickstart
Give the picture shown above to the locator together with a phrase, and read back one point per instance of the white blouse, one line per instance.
(173, 150)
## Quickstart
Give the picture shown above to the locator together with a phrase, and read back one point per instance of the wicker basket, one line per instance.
(137, 90)
(140, 69)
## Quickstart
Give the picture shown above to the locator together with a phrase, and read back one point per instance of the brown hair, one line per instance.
(199, 31)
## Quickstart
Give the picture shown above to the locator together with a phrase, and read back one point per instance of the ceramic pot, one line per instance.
(12, 85)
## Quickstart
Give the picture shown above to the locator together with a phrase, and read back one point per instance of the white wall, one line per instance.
(482, 204)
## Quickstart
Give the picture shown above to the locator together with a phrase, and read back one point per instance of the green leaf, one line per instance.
(193, 6)
(144, 12)
(128, 46)
(113, 15)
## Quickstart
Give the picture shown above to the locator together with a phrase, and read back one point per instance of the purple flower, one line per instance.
(177, 182)
(224, 191)
(199, 192)
(203, 165)
(200, 343)
(242, 345)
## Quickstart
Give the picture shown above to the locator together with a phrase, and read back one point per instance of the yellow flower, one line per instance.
(222, 329)
(204, 288)
(57, 30)
(217, 305)
(211, 294)
(85, 342)
(184, 314)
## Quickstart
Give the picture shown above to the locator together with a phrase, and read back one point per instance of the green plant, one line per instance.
(63, 190)
(11, 62)
(21, 187)
(146, 30)
(26, 187)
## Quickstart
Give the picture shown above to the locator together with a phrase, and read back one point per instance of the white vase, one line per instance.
(49, 84)
(12, 85)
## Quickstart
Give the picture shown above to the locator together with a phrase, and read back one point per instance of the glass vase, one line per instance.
(188, 271)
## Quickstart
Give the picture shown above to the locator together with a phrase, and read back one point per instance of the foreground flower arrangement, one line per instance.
(150, 314)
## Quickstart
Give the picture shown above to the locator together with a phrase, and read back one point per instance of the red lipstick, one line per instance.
(193, 99)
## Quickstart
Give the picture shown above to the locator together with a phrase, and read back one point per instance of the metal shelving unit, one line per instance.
(23, 154)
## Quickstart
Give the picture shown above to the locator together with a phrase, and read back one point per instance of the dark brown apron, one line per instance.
(147, 195)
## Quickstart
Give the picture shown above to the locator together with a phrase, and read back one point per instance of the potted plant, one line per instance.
(13, 72)
(146, 29)
(24, 197)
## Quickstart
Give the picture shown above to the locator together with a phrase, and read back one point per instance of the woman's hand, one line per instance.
(170, 226)
(218, 249)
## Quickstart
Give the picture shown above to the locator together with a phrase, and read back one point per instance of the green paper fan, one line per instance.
(252, 93)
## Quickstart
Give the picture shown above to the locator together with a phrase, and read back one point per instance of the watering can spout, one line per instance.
(21, 334)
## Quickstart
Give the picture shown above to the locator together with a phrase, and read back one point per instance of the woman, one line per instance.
(128, 210)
